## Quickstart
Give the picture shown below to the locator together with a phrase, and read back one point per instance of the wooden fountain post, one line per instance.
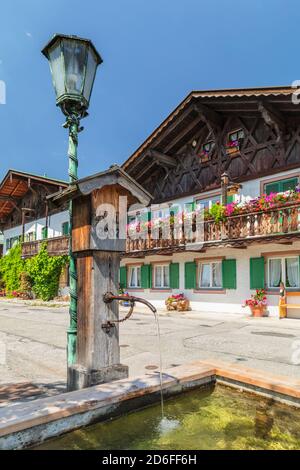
(99, 203)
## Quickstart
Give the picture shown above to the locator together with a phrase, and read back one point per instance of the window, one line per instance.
(235, 136)
(207, 203)
(281, 186)
(65, 228)
(161, 276)
(210, 275)
(284, 270)
(31, 236)
(134, 276)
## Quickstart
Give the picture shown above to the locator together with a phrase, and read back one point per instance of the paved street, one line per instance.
(33, 356)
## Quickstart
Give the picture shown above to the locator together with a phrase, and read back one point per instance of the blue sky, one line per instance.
(154, 53)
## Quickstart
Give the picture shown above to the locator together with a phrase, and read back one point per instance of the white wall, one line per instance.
(55, 222)
(232, 299)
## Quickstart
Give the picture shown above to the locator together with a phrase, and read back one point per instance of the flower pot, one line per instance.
(232, 151)
(258, 311)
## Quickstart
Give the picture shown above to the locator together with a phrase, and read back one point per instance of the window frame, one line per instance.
(210, 143)
(162, 266)
(210, 263)
(201, 201)
(265, 183)
(134, 268)
(236, 131)
(283, 272)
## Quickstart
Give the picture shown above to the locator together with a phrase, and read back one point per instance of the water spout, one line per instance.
(108, 298)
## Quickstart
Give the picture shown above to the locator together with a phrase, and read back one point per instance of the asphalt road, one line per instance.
(33, 344)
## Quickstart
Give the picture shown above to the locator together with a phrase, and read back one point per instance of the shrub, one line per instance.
(11, 266)
(44, 271)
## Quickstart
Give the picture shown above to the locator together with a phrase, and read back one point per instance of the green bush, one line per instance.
(40, 273)
(44, 271)
(11, 266)
(217, 212)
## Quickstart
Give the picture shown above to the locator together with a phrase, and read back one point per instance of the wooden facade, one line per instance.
(56, 246)
(23, 199)
(169, 163)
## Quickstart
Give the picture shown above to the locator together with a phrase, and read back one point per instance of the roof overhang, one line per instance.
(115, 175)
(185, 113)
(15, 186)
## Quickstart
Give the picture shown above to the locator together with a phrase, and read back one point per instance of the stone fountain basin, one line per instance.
(27, 424)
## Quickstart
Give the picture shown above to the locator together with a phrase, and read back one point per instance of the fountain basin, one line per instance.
(25, 425)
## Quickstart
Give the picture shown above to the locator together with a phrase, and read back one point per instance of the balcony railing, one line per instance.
(277, 222)
(55, 246)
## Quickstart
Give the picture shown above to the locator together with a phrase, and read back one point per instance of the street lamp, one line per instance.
(73, 64)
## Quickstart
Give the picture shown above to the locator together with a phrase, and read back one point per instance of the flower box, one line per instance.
(204, 158)
(233, 151)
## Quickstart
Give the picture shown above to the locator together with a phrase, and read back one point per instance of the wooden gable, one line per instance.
(171, 162)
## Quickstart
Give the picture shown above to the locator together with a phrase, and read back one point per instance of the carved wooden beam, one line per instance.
(212, 119)
(144, 170)
(9, 198)
(273, 118)
(165, 160)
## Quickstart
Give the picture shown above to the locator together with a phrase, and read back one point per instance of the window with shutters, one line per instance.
(210, 275)
(281, 186)
(134, 276)
(161, 276)
(283, 269)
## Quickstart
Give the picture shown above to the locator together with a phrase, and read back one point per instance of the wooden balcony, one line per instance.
(279, 225)
(56, 246)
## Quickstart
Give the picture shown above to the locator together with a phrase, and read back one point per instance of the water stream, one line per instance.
(160, 364)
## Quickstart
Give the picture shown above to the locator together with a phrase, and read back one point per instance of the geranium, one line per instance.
(257, 299)
(175, 298)
(231, 209)
(232, 143)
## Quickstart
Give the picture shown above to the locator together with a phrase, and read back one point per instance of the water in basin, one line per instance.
(218, 418)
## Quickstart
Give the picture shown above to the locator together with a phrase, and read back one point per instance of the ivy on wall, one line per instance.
(11, 266)
(43, 271)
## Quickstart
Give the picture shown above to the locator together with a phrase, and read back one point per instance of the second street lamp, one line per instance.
(73, 64)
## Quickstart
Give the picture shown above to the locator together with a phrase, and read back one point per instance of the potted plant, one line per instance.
(177, 302)
(257, 303)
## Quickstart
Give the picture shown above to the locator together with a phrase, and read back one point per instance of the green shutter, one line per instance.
(44, 232)
(229, 273)
(286, 185)
(146, 276)
(65, 228)
(190, 275)
(281, 186)
(272, 188)
(145, 216)
(174, 275)
(123, 277)
(257, 273)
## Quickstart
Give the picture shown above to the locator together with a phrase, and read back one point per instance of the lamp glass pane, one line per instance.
(90, 74)
(57, 69)
(75, 56)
